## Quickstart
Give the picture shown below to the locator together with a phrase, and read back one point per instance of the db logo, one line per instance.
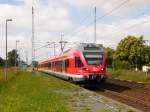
(94, 69)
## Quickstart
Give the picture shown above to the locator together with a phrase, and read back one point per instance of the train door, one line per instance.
(63, 65)
(49, 65)
(78, 64)
(72, 69)
(66, 65)
(53, 66)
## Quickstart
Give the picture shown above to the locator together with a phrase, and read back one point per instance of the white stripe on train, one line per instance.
(66, 76)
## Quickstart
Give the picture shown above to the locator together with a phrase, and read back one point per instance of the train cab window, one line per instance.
(78, 62)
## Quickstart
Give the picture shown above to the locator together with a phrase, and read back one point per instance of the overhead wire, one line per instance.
(103, 16)
(106, 14)
(114, 9)
(131, 26)
(79, 25)
(99, 18)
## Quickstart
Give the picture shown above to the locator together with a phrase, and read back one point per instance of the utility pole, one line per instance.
(54, 49)
(7, 20)
(17, 41)
(26, 57)
(62, 43)
(33, 52)
(19, 59)
(95, 25)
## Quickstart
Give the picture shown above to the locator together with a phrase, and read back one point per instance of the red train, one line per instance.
(86, 62)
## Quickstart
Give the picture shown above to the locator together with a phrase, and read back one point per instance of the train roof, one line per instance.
(81, 47)
(64, 55)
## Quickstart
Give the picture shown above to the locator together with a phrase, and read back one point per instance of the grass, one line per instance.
(85, 109)
(104, 110)
(137, 76)
(37, 92)
(27, 92)
(10, 73)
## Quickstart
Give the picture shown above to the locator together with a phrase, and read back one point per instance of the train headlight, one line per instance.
(102, 69)
(86, 69)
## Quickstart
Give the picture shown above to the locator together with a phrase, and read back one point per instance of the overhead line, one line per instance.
(108, 13)
(45, 46)
(133, 26)
(101, 17)
(111, 11)
(79, 25)
(114, 9)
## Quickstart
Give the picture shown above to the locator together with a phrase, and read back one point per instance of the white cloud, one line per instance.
(105, 6)
(48, 19)
(53, 17)
(111, 34)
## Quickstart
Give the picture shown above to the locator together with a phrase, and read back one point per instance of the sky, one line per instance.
(74, 19)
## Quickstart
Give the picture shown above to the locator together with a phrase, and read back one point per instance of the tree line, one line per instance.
(131, 52)
(12, 56)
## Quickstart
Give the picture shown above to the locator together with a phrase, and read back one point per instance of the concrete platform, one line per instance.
(87, 101)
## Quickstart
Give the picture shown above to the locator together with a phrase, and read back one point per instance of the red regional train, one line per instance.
(84, 63)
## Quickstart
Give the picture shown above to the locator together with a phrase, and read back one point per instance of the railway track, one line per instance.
(130, 93)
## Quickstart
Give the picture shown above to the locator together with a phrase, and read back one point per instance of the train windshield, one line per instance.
(93, 56)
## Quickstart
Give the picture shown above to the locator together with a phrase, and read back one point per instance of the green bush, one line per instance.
(121, 64)
(137, 76)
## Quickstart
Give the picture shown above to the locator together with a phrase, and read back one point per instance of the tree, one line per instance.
(146, 54)
(110, 53)
(131, 49)
(35, 63)
(11, 57)
(2, 62)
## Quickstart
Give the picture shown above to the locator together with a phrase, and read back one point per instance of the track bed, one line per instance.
(130, 93)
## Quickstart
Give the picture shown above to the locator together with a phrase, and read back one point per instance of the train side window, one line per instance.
(78, 62)
(46, 64)
(49, 65)
(66, 63)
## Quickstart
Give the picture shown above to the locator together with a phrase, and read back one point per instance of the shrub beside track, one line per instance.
(129, 75)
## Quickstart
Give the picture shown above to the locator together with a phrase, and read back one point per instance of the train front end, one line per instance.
(93, 57)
